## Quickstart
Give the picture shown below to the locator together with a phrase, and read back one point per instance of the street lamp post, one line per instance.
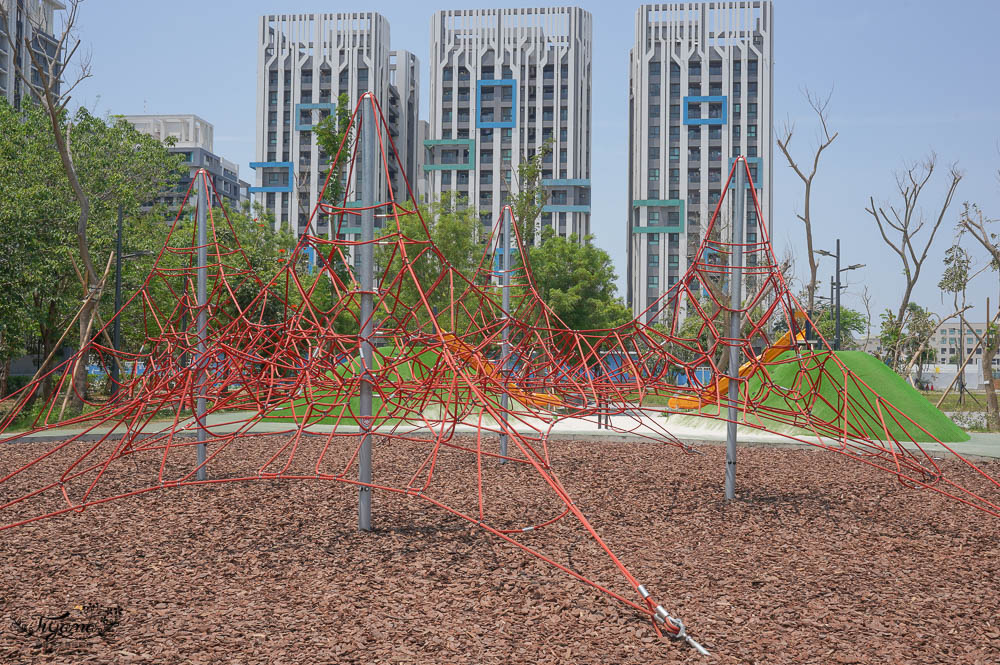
(835, 288)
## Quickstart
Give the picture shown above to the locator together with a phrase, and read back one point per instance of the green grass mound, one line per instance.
(862, 413)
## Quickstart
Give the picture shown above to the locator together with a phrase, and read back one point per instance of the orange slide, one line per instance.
(708, 395)
(484, 367)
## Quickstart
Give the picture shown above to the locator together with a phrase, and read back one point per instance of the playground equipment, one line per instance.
(217, 367)
(720, 385)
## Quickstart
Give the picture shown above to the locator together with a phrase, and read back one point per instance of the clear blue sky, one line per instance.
(908, 77)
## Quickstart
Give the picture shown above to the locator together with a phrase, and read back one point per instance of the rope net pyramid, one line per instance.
(281, 359)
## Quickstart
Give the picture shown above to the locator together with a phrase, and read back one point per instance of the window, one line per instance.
(653, 238)
(714, 154)
(654, 153)
(654, 260)
(715, 68)
(675, 89)
(694, 154)
(675, 111)
(505, 155)
(675, 132)
(752, 89)
(654, 89)
(736, 132)
(752, 67)
(675, 154)
(715, 132)
(654, 69)
(563, 113)
(675, 176)
(694, 132)
(654, 110)
(694, 68)
(715, 89)
(694, 175)
(675, 68)
(737, 89)
(654, 131)
(447, 74)
(737, 67)
(752, 131)
(486, 156)
(654, 174)
(653, 216)
(445, 177)
(653, 281)
(752, 109)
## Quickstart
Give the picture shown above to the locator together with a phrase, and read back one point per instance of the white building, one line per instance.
(193, 138)
(503, 82)
(304, 63)
(700, 94)
(19, 20)
(953, 341)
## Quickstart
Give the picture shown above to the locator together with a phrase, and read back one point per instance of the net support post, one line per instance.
(366, 278)
(735, 334)
(202, 283)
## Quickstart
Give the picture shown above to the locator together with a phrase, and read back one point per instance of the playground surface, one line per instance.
(820, 560)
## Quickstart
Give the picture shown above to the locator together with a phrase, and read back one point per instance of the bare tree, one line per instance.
(866, 299)
(973, 222)
(819, 106)
(46, 81)
(901, 226)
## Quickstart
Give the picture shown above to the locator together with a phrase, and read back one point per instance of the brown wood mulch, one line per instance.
(821, 560)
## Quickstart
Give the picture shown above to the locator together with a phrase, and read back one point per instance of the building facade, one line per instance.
(33, 20)
(700, 94)
(504, 82)
(304, 63)
(952, 343)
(193, 138)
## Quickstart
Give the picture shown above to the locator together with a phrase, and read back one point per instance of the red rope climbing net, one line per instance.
(281, 359)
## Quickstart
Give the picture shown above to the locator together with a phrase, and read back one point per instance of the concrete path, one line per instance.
(636, 426)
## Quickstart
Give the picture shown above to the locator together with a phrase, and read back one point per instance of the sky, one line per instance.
(906, 79)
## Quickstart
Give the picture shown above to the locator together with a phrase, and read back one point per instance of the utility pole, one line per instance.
(117, 326)
(836, 329)
(202, 365)
(735, 333)
(505, 332)
(367, 270)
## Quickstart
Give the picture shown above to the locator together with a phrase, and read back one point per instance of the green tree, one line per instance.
(531, 196)
(577, 280)
(42, 213)
(454, 227)
(331, 133)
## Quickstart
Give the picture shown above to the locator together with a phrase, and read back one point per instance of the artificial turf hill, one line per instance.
(879, 378)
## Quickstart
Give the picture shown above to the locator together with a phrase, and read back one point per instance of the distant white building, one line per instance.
(193, 138)
(953, 341)
(304, 63)
(700, 94)
(503, 83)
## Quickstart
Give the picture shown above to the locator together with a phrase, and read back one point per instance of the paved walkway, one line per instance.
(637, 426)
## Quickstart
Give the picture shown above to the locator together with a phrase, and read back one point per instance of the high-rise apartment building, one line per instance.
(304, 63)
(700, 95)
(33, 20)
(503, 83)
(193, 138)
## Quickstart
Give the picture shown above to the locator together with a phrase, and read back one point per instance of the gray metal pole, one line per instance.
(117, 326)
(836, 329)
(735, 333)
(505, 333)
(367, 269)
(202, 314)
